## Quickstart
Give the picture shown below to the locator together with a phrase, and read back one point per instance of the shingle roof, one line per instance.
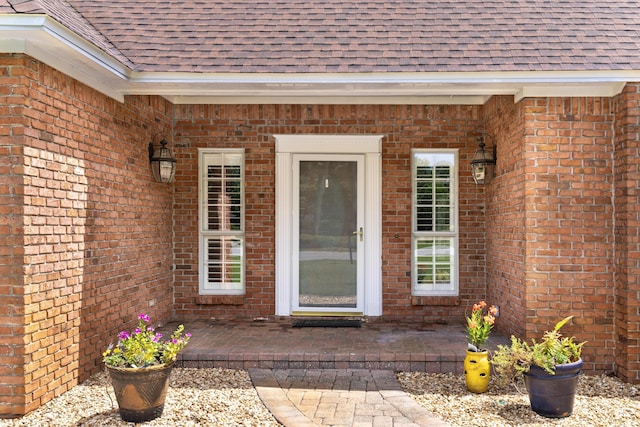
(282, 36)
(66, 14)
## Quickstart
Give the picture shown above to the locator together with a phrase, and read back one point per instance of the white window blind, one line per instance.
(221, 201)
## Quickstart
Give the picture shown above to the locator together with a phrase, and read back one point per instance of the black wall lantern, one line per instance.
(163, 164)
(484, 163)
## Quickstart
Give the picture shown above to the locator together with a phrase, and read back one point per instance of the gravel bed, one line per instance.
(226, 397)
(196, 397)
(600, 402)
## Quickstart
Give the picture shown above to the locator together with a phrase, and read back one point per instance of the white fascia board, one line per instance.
(48, 41)
(594, 89)
(438, 78)
(376, 88)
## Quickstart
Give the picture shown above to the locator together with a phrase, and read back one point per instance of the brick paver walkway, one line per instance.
(339, 397)
(331, 376)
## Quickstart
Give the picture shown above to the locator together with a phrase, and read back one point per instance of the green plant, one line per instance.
(479, 325)
(512, 361)
(144, 347)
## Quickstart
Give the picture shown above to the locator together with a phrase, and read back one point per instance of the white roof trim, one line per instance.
(334, 100)
(46, 40)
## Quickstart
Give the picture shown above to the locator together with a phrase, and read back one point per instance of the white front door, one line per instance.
(328, 225)
(328, 233)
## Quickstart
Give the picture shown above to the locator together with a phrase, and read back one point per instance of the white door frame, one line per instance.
(367, 145)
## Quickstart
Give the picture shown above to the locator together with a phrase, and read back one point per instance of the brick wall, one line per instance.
(627, 226)
(556, 167)
(568, 197)
(12, 310)
(505, 214)
(251, 127)
(92, 231)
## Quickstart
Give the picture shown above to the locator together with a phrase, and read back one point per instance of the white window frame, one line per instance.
(416, 235)
(204, 234)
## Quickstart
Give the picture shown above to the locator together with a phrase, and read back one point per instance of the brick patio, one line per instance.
(275, 344)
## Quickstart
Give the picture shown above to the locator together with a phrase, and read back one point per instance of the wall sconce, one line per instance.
(483, 163)
(163, 164)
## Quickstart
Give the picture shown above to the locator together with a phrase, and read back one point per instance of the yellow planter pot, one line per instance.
(477, 371)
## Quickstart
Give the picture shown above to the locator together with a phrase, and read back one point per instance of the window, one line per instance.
(221, 210)
(435, 225)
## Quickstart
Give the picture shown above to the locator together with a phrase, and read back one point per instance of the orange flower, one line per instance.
(479, 325)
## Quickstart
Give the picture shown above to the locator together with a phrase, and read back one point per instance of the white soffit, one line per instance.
(46, 40)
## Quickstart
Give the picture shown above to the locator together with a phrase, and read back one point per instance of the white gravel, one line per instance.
(196, 397)
(600, 402)
(226, 397)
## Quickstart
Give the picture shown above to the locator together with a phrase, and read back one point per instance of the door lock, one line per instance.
(359, 232)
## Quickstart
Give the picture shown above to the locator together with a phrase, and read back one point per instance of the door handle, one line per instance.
(359, 232)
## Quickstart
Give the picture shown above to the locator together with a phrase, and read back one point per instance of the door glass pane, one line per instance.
(328, 218)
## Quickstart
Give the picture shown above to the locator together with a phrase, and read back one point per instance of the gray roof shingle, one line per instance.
(295, 36)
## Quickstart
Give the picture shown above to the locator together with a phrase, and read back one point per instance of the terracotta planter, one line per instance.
(140, 392)
(477, 371)
(552, 396)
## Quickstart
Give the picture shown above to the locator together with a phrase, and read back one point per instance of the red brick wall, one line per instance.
(251, 127)
(627, 225)
(12, 299)
(554, 195)
(505, 214)
(92, 231)
(569, 245)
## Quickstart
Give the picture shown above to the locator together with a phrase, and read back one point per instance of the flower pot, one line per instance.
(477, 371)
(552, 396)
(140, 392)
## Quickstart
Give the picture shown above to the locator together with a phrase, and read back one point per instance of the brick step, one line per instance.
(433, 363)
(270, 344)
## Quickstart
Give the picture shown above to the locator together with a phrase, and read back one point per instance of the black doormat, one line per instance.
(326, 323)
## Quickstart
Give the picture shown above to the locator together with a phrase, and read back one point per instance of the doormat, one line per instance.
(326, 323)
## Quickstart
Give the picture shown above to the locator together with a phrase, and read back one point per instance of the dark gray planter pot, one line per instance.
(552, 396)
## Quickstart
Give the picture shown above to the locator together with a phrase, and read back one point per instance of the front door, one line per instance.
(328, 225)
(328, 233)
